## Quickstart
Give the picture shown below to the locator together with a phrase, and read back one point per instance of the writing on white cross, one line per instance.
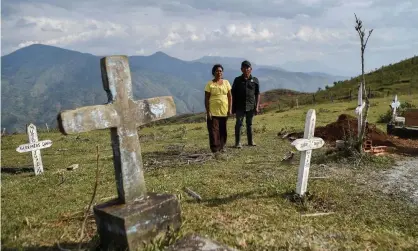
(359, 110)
(122, 115)
(306, 145)
(395, 105)
(35, 147)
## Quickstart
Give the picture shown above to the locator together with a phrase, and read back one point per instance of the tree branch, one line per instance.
(367, 39)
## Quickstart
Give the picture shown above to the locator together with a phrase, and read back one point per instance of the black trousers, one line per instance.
(240, 115)
(217, 133)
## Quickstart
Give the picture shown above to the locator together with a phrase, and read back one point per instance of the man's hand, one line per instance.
(257, 110)
(208, 116)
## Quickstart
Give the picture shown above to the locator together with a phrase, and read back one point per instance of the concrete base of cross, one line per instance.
(194, 242)
(127, 226)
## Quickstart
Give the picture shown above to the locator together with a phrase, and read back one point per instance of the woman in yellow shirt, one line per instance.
(218, 104)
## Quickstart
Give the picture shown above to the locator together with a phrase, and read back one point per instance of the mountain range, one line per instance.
(39, 81)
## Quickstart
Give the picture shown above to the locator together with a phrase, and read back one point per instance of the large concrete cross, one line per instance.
(123, 116)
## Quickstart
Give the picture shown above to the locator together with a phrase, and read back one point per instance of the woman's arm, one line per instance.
(229, 103)
(207, 96)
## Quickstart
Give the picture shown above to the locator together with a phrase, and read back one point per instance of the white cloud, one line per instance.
(140, 52)
(268, 32)
(247, 32)
(324, 35)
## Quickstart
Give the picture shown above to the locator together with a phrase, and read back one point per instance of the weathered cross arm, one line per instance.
(153, 109)
(105, 116)
(87, 119)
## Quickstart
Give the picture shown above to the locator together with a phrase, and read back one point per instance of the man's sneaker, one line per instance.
(239, 146)
(252, 144)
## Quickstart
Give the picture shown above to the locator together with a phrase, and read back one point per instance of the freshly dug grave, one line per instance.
(346, 127)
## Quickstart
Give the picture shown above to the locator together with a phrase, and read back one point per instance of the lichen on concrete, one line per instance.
(194, 242)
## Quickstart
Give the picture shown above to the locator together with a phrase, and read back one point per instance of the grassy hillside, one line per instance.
(394, 79)
(397, 78)
(244, 195)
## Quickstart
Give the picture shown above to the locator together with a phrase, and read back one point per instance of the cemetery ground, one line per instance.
(245, 195)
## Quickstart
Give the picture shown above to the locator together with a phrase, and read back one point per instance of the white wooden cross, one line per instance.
(306, 145)
(359, 110)
(35, 147)
(395, 105)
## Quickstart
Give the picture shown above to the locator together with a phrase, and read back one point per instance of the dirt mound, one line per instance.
(345, 127)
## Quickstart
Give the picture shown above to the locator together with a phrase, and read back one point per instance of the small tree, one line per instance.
(363, 42)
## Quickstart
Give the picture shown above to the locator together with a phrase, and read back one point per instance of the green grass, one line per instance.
(244, 197)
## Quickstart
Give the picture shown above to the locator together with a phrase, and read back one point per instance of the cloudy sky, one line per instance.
(316, 34)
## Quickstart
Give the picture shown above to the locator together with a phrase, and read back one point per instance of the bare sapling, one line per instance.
(363, 42)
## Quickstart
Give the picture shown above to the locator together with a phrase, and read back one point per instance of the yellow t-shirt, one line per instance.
(218, 101)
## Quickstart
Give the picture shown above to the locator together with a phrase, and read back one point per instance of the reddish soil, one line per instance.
(346, 126)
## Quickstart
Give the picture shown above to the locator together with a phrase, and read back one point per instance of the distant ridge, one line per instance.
(39, 80)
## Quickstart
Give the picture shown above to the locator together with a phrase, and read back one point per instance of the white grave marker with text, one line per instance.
(306, 145)
(35, 147)
(359, 110)
(395, 105)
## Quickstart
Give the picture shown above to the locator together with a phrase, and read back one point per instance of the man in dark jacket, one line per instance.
(245, 102)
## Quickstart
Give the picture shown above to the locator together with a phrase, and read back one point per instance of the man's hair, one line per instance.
(216, 67)
(245, 64)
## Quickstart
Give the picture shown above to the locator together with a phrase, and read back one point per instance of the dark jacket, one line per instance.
(245, 93)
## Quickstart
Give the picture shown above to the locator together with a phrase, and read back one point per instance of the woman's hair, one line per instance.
(216, 67)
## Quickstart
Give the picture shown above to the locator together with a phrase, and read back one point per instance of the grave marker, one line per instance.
(395, 105)
(136, 215)
(306, 145)
(411, 118)
(35, 147)
(359, 110)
